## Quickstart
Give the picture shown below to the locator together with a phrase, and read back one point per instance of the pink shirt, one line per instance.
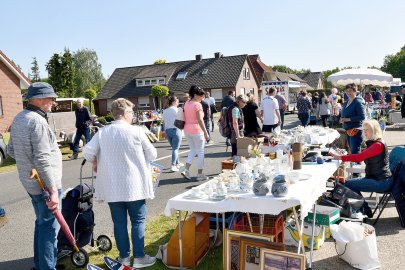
(190, 113)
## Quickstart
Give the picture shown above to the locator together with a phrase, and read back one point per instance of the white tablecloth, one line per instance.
(303, 193)
(395, 117)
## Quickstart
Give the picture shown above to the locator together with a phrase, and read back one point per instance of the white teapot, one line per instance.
(243, 167)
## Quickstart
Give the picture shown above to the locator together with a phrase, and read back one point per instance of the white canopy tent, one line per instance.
(361, 76)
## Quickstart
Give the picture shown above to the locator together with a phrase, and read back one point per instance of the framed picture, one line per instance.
(281, 260)
(249, 252)
(231, 246)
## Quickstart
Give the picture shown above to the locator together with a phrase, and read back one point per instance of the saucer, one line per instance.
(217, 197)
(304, 176)
(195, 197)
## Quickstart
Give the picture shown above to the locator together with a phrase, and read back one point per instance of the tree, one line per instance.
(283, 68)
(88, 73)
(394, 64)
(90, 94)
(160, 91)
(326, 74)
(160, 62)
(54, 68)
(34, 77)
(67, 74)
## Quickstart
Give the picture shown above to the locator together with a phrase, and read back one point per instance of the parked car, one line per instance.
(3, 152)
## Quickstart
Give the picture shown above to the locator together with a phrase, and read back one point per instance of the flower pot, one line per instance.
(383, 125)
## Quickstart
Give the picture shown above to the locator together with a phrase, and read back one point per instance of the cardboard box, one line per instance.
(325, 215)
(242, 145)
(228, 164)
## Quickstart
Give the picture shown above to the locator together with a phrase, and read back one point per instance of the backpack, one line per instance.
(223, 123)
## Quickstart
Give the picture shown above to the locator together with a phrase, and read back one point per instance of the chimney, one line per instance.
(218, 55)
(198, 57)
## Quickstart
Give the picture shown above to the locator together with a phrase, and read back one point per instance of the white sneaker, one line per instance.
(144, 262)
(202, 177)
(174, 168)
(125, 261)
(186, 174)
(179, 165)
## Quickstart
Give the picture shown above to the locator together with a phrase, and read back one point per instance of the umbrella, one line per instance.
(361, 76)
(58, 215)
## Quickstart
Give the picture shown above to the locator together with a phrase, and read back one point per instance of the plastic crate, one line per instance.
(230, 217)
(272, 225)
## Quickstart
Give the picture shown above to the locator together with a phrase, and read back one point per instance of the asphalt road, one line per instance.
(16, 236)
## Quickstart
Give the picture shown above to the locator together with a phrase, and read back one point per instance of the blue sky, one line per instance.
(315, 34)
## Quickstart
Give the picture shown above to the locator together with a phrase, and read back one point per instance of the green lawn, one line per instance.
(158, 232)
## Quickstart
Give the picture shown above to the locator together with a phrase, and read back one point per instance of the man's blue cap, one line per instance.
(40, 90)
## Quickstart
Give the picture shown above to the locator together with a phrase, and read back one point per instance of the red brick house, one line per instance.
(12, 80)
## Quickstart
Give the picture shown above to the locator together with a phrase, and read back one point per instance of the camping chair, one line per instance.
(397, 153)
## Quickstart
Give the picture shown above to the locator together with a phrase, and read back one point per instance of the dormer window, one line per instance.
(139, 83)
(181, 75)
(246, 74)
(205, 71)
(150, 81)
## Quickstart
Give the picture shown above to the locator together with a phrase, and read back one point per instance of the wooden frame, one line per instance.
(231, 246)
(281, 260)
(249, 248)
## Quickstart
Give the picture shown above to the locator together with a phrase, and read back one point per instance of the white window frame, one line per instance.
(147, 82)
(182, 76)
(161, 81)
(139, 82)
(246, 74)
(217, 94)
(143, 102)
(242, 91)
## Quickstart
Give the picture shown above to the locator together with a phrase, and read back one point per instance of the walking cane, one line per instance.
(58, 215)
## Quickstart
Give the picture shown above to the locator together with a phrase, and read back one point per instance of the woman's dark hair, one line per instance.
(196, 90)
(321, 96)
(303, 93)
(170, 100)
(351, 86)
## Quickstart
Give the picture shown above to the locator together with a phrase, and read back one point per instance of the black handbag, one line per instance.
(180, 119)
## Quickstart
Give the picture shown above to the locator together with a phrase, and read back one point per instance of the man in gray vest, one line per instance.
(33, 146)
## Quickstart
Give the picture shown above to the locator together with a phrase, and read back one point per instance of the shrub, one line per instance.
(109, 117)
(102, 120)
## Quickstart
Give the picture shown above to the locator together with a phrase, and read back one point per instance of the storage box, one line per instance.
(242, 145)
(272, 225)
(228, 164)
(325, 215)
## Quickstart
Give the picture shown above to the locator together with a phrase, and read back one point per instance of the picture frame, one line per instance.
(249, 252)
(231, 246)
(281, 260)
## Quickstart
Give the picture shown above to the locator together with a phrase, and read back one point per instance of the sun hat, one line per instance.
(40, 90)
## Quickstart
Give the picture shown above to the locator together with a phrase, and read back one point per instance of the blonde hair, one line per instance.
(375, 129)
(119, 106)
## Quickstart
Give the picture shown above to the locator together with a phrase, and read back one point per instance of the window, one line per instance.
(252, 91)
(139, 83)
(181, 75)
(242, 91)
(161, 81)
(153, 82)
(147, 82)
(216, 94)
(205, 71)
(246, 74)
(143, 102)
(1, 107)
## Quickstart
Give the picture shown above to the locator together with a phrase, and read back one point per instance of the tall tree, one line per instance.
(34, 76)
(67, 74)
(394, 64)
(160, 91)
(54, 68)
(88, 73)
(283, 68)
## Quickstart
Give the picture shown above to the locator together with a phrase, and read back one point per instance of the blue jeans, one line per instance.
(174, 137)
(355, 142)
(369, 185)
(207, 126)
(45, 234)
(212, 121)
(79, 133)
(304, 118)
(137, 214)
(282, 113)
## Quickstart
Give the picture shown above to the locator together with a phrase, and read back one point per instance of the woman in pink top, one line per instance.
(195, 131)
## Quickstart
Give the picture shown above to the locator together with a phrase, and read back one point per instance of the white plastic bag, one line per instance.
(361, 254)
